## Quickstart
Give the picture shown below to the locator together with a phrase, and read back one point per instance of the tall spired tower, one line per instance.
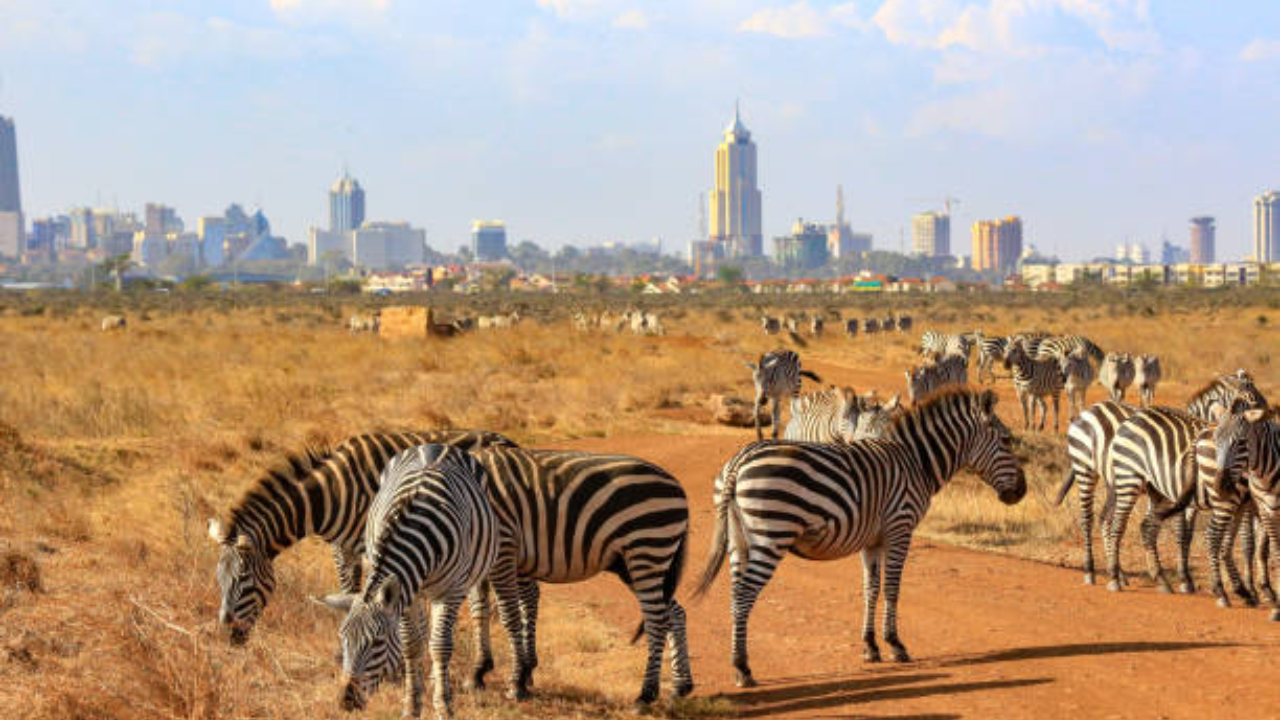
(735, 199)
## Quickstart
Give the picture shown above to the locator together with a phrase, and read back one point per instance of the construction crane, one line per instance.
(947, 201)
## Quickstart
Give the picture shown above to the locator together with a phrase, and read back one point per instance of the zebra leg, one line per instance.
(1265, 590)
(481, 611)
(506, 588)
(1221, 526)
(1271, 527)
(871, 560)
(894, 562)
(529, 598)
(413, 630)
(1150, 537)
(1184, 528)
(1248, 548)
(1239, 524)
(747, 583)
(444, 615)
(648, 592)
(1086, 483)
(1113, 534)
(777, 416)
(678, 642)
(1044, 412)
(755, 413)
(1057, 428)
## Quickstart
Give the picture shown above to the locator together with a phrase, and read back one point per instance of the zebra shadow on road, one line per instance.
(1048, 652)
(860, 690)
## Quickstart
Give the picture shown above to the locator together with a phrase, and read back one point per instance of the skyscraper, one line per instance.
(735, 199)
(842, 241)
(931, 234)
(12, 242)
(488, 240)
(346, 204)
(997, 244)
(1202, 232)
(1266, 227)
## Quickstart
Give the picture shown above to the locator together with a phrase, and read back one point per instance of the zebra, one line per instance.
(315, 493)
(568, 516)
(770, 325)
(776, 376)
(816, 326)
(1116, 374)
(837, 415)
(1146, 374)
(1077, 375)
(1059, 346)
(990, 349)
(888, 324)
(1031, 339)
(360, 323)
(851, 327)
(870, 326)
(1033, 379)
(114, 322)
(904, 323)
(936, 373)
(431, 533)
(792, 325)
(1089, 438)
(826, 501)
(942, 344)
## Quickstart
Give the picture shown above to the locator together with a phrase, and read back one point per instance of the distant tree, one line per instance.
(196, 283)
(115, 267)
(496, 279)
(730, 275)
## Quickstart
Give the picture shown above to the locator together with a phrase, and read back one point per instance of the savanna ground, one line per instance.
(116, 447)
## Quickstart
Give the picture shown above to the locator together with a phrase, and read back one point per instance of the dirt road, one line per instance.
(993, 637)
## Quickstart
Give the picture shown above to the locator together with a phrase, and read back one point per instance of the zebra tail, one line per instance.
(670, 582)
(811, 375)
(1067, 482)
(726, 522)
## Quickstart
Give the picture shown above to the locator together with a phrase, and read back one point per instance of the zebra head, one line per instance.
(875, 418)
(989, 451)
(1241, 437)
(371, 643)
(246, 579)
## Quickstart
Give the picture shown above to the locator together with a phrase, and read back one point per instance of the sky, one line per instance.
(582, 121)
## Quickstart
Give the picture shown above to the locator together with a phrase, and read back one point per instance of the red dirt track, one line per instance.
(992, 636)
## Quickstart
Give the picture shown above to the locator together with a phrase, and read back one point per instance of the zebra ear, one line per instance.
(338, 602)
(988, 401)
(217, 532)
(893, 402)
(1255, 415)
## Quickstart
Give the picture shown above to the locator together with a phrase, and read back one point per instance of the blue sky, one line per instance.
(587, 120)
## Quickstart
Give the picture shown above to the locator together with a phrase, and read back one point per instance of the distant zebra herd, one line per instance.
(815, 325)
(430, 518)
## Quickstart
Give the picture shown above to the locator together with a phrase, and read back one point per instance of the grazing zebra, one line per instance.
(1059, 346)
(904, 323)
(837, 415)
(816, 326)
(934, 374)
(792, 325)
(361, 322)
(990, 350)
(1116, 374)
(887, 324)
(1146, 375)
(934, 342)
(851, 327)
(1089, 439)
(431, 534)
(1077, 374)
(568, 516)
(827, 501)
(317, 493)
(114, 322)
(770, 325)
(776, 376)
(870, 326)
(1034, 379)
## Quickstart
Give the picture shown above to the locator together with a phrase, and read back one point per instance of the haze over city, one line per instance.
(580, 121)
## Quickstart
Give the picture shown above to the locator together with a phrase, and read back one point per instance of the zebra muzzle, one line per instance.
(352, 699)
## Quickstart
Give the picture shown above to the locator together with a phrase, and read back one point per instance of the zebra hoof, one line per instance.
(1089, 579)
(1275, 615)
(1268, 596)
(744, 679)
(682, 690)
(478, 673)
(899, 654)
(1223, 602)
(1162, 587)
(871, 654)
(647, 696)
(517, 694)
(1187, 587)
(1113, 585)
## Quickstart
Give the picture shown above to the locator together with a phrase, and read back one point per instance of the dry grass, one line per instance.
(114, 448)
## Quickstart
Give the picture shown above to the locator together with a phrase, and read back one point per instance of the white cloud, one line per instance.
(569, 9)
(632, 20)
(1260, 50)
(162, 39)
(794, 21)
(328, 10)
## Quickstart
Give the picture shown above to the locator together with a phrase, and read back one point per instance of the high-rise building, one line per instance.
(735, 199)
(212, 232)
(805, 248)
(1266, 227)
(997, 244)
(1202, 240)
(1171, 254)
(1132, 252)
(931, 234)
(161, 220)
(387, 245)
(346, 204)
(10, 196)
(842, 241)
(488, 240)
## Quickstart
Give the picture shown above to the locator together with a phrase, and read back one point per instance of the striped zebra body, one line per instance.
(1146, 375)
(827, 501)
(431, 534)
(568, 516)
(940, 372)
(1034, 380)
(1214, 399)
(776, 376)
(1116, 374)
(1060, 346)
(837, 415)
(325, 494)
(939, 343)
(851, 327)
(990, 350)
(1077, 375)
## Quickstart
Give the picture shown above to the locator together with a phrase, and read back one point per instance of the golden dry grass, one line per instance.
(115, 447)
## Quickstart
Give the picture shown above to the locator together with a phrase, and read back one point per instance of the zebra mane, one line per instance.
(294, 471)
(935, 402)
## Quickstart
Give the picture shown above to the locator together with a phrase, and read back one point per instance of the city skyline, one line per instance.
(1043, 109)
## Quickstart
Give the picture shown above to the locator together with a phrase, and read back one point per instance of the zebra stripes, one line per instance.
(939, 343)
(776, 376)
(1146, 375)
(432, 534)
(1034, 379)
(1214, 399)
(827, 501)
(1077, 375)
(1116, 374)
(317, 493)
(838, 415)
(569, 516)
(1060, 346)
(936, 373)
(990, 350)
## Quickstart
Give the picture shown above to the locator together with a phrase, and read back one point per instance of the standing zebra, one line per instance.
(827, 501)
(887, 324)
(816, 326)
(430, 533)
(770, 325)
(776, 376)
(568, 516)
(318, 493)
(851, 327)
(837, 415)
(934, 374)
(1077, 375)
(990, 349)
(1060, 346)
(1033, 379)
(1146, 375)
(1116, 374)
(870, 326)
(943, 344)
(904, 323)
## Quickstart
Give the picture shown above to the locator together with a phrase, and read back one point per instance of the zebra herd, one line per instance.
(815, 325)
(639, 322)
